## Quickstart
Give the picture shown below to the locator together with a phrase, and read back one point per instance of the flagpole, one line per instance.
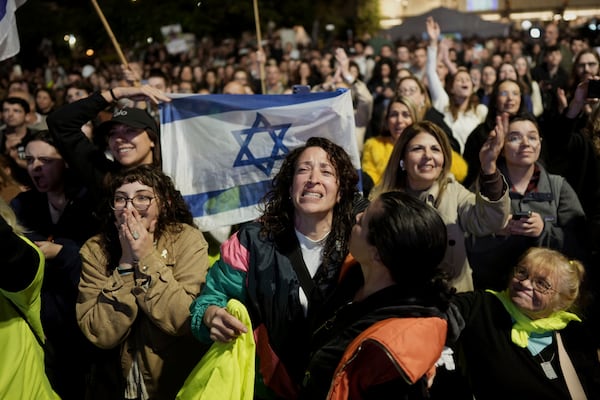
(111, 34)
(259, 40)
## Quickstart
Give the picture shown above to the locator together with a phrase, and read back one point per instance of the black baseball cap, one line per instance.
(134, 117)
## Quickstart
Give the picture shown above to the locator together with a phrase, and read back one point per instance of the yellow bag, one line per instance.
(226, 371)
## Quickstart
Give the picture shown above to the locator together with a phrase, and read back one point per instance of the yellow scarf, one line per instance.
(524, 326)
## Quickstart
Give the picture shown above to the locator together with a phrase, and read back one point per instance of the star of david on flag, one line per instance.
(261, 125)
(223, 151)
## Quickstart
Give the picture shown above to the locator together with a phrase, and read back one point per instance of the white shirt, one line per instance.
(312, 254)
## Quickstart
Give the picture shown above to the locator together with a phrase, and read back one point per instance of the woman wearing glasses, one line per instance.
(414, 89)
(139, 277)
(525, 341)
(545, 210)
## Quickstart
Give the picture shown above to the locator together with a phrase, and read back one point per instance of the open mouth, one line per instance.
(124, 150)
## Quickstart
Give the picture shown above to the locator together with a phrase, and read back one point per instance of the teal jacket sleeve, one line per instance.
(223, 282)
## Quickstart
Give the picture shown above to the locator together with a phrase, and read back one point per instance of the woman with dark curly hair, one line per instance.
(284, 264)
(138, 280)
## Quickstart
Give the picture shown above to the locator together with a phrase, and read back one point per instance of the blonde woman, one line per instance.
(420, 165)
(520, 342)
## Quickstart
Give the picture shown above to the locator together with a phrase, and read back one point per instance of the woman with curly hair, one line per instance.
(138, 280)
(283, 265)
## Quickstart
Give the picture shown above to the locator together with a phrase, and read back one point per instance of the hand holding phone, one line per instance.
(593, 89)
(300, 89)
(521, 214)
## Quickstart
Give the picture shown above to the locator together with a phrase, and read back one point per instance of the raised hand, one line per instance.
(493, 145)
(139, 93)
(433, 30)
(136, 240)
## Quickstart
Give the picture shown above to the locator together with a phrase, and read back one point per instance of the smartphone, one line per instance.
(300, 89)
(593, 89)
(521, 214)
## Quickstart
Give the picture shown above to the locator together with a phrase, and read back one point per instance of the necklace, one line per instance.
(547, 367)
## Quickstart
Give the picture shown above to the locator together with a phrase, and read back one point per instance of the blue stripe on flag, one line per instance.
(181, 108)
(3, 8)
(218, 201)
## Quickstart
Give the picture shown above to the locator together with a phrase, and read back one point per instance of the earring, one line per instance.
(402, 165)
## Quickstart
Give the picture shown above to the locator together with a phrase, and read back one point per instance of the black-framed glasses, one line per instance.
(140, 202)
(539, 284)
(588, 64)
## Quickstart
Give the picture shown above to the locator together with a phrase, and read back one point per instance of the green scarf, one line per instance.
(524, 326)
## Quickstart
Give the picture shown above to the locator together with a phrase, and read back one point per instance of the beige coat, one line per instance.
(147, 319)
(465, 213)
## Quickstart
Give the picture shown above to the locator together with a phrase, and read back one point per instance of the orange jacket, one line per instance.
(395, 348)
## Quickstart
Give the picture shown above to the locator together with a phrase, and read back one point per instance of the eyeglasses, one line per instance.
(139, 202)
(408, 91)
(31, 159)
(588, 64)
(533, 140)
(539, 284)
(505, 93)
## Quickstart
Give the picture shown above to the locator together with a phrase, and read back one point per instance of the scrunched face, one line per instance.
(315, 187)
(533, 290)
(45, 166)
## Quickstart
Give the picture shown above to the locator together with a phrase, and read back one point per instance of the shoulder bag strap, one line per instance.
(294, 253)
(307, 283)
(573, 382)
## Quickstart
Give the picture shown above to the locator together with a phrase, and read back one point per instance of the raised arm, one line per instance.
(82, 155)
(439, 97)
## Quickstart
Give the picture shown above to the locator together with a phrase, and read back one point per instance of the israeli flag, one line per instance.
(9, 35)
(223, 151)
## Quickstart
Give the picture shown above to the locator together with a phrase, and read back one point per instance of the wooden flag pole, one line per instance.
(111, 34)
(259, 41)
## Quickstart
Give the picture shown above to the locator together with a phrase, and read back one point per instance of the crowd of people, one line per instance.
(466, 265)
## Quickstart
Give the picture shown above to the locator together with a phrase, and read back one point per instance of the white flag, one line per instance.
(9, 35)
(222, 151)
